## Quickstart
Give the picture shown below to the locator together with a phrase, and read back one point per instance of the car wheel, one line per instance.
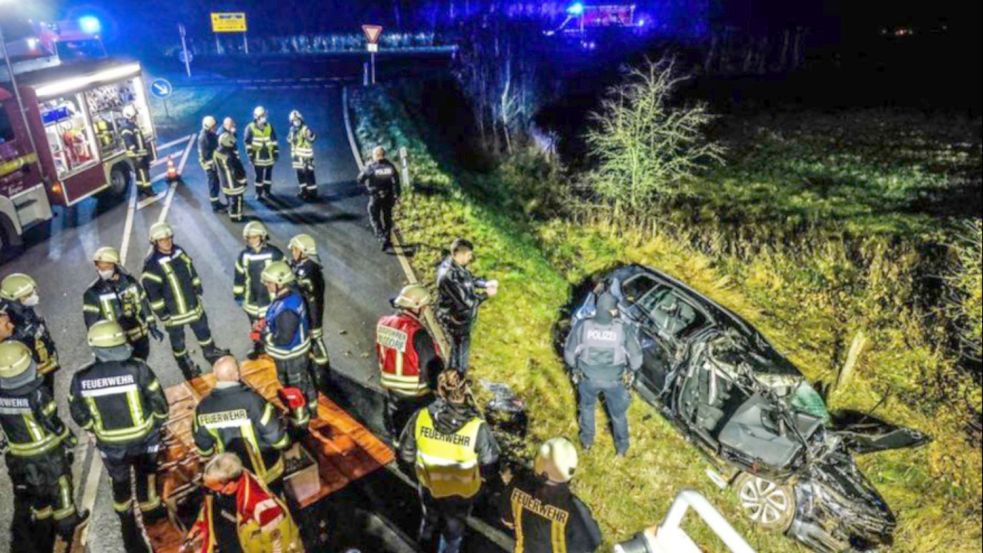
(767, 504)
(119, 179)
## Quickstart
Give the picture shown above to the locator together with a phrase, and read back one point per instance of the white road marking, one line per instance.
(89, 492)
(151, 200)
(128, 225)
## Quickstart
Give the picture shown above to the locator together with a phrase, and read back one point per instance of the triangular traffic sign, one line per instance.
(372, 33)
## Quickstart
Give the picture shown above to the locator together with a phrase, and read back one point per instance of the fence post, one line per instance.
(404, 165)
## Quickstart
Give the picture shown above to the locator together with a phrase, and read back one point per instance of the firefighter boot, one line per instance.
(189, 368)
(213, 353)
(134, 538)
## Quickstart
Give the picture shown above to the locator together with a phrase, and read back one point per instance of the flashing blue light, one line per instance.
(577, 8)
(641, 22)
(90, 24)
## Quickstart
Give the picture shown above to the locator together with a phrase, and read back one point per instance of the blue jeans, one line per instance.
(616, 399)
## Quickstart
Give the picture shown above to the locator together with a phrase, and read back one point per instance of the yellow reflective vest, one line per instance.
(447, 464)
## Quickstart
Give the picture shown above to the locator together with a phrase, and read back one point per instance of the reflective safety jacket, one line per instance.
(122, 300)
(120, 402)
(548, 518)
(447, 464)
(406, 354)
(207, 144)
(261, 144)
(301, 141)
(231, 173)
(287, 334)
(310, 280)
(173, 287)
(235, 418)
(136, 144)
(31, 330)
(247, 287)
(29, 419)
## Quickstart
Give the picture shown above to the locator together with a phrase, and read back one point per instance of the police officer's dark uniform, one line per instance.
(381, 179)
(19, 294)
(310, 282)
(174, 290)
(604, 354)
(301, 139)
(231, 173)
(120, 297)
(207, 145)
(459, 294)
(37, 451)
(262, 149)
(137, 150)
(120, 401)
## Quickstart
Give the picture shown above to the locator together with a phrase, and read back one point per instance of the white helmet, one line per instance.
(129, 111)
(295, 115)
(259, 111)
(208, 122)
(557, 459)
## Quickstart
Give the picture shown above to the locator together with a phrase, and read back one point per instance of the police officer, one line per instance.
(207, 145)
(120, 401)
(459, 293)
(233, 417)
(115, 295)
(301, 139)
(381, 178)
(409, 358)
(263, 151)
(38, 455)
(228, 165)
(248, 289)
(542, 511)
(136, 150)
(174, 290)
(20, 293)
(287, 337)
(452, 448)
(603, 354)
(310, 281)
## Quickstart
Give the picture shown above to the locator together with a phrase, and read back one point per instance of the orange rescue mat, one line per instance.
(337, 450)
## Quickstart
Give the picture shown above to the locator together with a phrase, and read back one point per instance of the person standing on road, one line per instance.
(248, 289)
(286, 331)
(233, 417)
(542, 511)
(603, 354)
(207, 145)
(38, 455)
(310, 281)
(381, 178)
(452, 449)
(136, 150)
(459, 293)
(231, 173)
(263, 151)
(174, 290)
(409, 358)
(115, 295)
(120, 401)
(301, 139)
(20, 293)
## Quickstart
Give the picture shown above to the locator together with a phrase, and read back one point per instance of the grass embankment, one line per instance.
(810, 300)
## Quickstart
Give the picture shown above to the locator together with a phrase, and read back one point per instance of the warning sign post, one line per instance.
(372, 34)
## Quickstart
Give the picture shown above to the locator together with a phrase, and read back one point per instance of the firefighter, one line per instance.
(136, 150)
(310, 281)
(409, 358)
(381, 178)
(286, 332)
(38, 455)
(115, 295)
(120, 401)
(228, 165)
(542, 511)
(20, 293)
(174, 290)
(248, 289)
(459, 293)
(207, 144)
(301, 139)
(240, 515)
(453, 449)
(233, 417)
(263, 151)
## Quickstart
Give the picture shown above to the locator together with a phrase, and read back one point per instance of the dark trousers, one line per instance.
(399, 410)
(43, 505)
(235, 206)
(460, 342)
(178, 346)
(134, 468)
(213, 186)
(306, 180)
(264, 178)
(616, 400)
(448, 515)
(297, 373)
(141, 347)
(141, 172)
(381, 214)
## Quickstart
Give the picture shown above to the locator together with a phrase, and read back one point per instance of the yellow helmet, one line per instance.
(557, 459)
(106, 254)
(278, 273)
(159, 231)
(106, 334)
(208, 122)
(413, 296)
(17, 286)
(255, 228)
(15, 359)
(305, 243)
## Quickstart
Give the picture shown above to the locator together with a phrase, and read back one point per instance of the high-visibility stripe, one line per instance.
(152, 277)
(91, 309)
(558, 537)
(520, 538)
(267, 415)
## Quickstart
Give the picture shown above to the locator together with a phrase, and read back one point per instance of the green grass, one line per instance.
(809, 300)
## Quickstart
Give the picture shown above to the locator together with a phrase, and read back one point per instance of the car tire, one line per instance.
(119, 179)
(768, 504)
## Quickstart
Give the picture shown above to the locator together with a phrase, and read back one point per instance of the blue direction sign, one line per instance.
(161, 88)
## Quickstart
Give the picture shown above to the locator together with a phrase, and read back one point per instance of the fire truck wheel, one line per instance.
(119, 179)
(7, 244)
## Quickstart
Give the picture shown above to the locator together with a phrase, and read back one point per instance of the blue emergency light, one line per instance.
(577, 8)
(90, 24)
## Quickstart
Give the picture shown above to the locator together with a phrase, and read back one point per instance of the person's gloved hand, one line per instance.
(628, 379)
(156, 333)
(577, 376)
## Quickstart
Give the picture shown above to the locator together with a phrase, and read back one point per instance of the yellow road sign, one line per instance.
(228, 22)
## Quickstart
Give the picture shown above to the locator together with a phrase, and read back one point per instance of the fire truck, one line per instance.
(65, 145)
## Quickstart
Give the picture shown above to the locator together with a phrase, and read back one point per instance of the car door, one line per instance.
(638, 292)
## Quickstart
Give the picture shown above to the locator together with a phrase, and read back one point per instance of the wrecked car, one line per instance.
(763, 427)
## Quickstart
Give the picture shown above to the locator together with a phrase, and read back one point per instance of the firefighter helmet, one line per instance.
(228, 123)
(255, 228)
(159, 231)
(17, 286)
(208, 122)
(413, 296)
(259, 111)
(278, 273)
(305, 243)
(106, 334)
(130, 111)
(15, 359)
(106, 254)
(557, 459)
(295, 115)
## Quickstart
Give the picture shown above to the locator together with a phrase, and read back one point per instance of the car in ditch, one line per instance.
(763, 427)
